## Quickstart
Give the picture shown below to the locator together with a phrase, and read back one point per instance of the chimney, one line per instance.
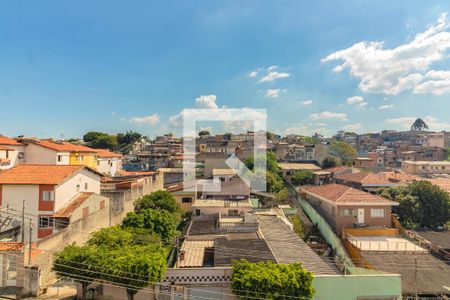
(182, 254)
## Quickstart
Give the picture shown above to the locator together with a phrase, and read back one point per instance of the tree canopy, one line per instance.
(160, 222)
(344, 151)
(268, 280)
(159, 199)
(100, 140)
(204, 132)
(421, 204)
(302, 177)
(329, 162)
(419, 125)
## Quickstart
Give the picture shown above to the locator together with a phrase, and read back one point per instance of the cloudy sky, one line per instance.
(67, 67)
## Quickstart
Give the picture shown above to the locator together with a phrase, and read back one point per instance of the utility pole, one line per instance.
(29, 245)
(415, 277)
(23, 221)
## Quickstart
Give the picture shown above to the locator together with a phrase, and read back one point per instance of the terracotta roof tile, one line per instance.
(38, 174)
(367, 179)
(11, 246)
(4, 140)
(60, 146)
(107, 154)
(345, 194)
(68, 209)
(337, 169)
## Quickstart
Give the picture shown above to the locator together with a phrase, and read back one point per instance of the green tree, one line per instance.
(129, 137)
(419, 125)
(134, 267)
(329, 162)
(100, 140)
(159, 199)
(271, 162)
(118, 237)
(77, 263)
(302, 177)
(421, 204)
(344, 151)
(268, 280)
(204, 132)
(157, 221)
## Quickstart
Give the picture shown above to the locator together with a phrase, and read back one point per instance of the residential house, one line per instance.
(367, 180)
(52, 152)
(289, 169)
(346, 207)
(11, 152)
(424, 168)
(42, 190)
(108, 162)
(184, 198)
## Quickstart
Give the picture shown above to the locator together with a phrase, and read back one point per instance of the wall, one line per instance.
(14, 196)
(89, 159)
(108, 166)
(344, 222)
(12, 157)
(93, 204)
(43, 156)
(65, 191)
(178, 197)
(354, 287)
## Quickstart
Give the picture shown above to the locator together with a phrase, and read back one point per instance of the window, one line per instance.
(102, 204)
(45, 222)
(48, 196)
(233, 212)
(85, 212)
(348, 212)
(85, 186)
(377, 213)
(79, 157)
(59, 158)
(78, 187)
(333, 211)
(186, 200)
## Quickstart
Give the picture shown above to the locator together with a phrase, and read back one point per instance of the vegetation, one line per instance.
(268, 280)
(131, 255)
(421, 204)
(344, 151)
(329, 162)
(298, 226)
(419, 125)
(302, 177)
(204, 132)
(121, 142)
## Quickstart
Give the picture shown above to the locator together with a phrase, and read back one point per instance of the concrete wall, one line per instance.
(109, 166)
(93, 205)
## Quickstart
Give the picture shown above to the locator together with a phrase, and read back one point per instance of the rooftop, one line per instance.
(298, 166)
(38, 174)
(385, 244)
(60, 146)
(253, 250)
(105, 153)
(431, 163)
(194, 252)
(223, 172)
(11, 246)
(338, 194)
(4, 140)
(71, 206)
(369, 179)
(221, 203)
(440, 238)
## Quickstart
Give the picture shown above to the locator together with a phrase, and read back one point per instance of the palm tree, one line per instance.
(419, 125)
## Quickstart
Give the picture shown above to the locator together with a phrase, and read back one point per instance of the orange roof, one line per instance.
(369, 179)
(443, 183)
(38, 174)
(68, 209)
(344, 194)
(4, 140)
(61, 146)
(403, 177)
(336, 169)
(11, 246)
(107, 154)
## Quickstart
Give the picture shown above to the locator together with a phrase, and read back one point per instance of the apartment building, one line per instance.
(108, 162)
(424, 168)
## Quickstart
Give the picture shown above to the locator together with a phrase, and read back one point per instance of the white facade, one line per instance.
(109, 166)
(14, 155)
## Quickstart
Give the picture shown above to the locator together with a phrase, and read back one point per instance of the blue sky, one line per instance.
(67, 67)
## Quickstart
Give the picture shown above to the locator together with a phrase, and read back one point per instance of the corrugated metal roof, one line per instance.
(194, 252)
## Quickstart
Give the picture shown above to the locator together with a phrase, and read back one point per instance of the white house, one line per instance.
(43, 190)
(108, 162)
(11, 152)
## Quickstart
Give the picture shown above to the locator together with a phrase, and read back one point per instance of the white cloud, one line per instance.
(387, 106)
(206, 101)
(329, 115)
(406, 122)
(151, 120)
(306, 130)
(272, 68)
(273, 93)
(391, 71)
(253, 73)
(354, 100)
(271, 76)
(307, 102)
(352, 127)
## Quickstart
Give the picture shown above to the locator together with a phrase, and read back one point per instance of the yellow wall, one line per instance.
(89, 159)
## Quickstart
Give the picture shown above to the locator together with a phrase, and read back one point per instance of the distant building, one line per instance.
(424, 168)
